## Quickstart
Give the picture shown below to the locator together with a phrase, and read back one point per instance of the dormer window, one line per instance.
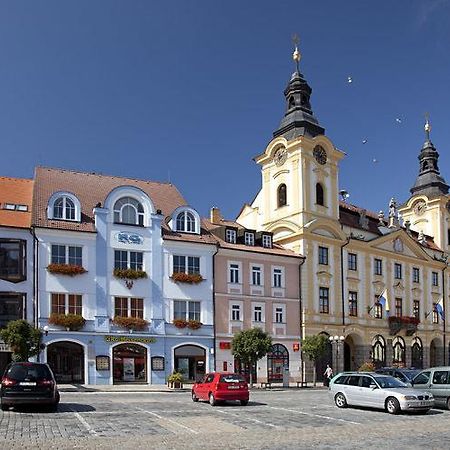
(249, 238)
(267, 241)
(128, 210)
(230, 236)
(186, 222)
(62, 206)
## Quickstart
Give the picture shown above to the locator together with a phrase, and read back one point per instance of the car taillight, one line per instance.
(45, 383)
(8, 382)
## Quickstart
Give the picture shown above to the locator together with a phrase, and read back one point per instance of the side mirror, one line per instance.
(373, 387)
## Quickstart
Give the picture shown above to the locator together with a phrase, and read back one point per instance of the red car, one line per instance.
(220, 386)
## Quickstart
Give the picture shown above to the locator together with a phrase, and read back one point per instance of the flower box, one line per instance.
(194, 324)
(409, 323)
(129, 274)
(66, 269)
(72, 322)
(130, 323)
(180, 323)
(190, 278)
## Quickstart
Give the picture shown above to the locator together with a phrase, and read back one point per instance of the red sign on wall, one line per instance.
(296, 346)
(224, 345)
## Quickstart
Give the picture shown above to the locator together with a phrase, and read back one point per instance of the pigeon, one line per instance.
(364, 141)
(374, 160)
(349, 79)
(398, 120)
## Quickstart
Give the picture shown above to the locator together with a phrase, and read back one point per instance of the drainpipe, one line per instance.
(214, 304)
(342, 283)
(300, 303)
(35, 276)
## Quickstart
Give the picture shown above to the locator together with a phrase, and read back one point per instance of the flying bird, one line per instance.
(349, 80)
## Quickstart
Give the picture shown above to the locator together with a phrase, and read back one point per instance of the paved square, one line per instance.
(284, 419)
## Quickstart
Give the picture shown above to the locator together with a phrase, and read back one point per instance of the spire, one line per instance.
(429, 180)
(299, 119)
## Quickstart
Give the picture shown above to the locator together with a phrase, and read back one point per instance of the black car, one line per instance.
(403, 374)
(29, 383)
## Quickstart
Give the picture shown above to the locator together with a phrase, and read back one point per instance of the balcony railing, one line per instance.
(408, 323)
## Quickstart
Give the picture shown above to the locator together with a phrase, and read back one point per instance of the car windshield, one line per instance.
(410, 374)
(232, 378)
(389, 382)
(22, 372)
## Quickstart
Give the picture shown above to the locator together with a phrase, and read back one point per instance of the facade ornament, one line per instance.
(381, 218)
(408, 226)
(421, 237)
(363, 219)
(393, 214)
(398, 245)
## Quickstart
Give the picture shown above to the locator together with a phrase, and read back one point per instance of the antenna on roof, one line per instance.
(344, 194)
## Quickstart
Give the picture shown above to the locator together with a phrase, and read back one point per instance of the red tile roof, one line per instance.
(17, 191)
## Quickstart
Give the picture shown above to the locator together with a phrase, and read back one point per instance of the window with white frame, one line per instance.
(187, 310)
(258, 312)
(249, 238)
(236, 312)
(66, 304)
(416, 275)
(186, 264)
(234, 273)
(267, 240)
(278, 277)
(279, 313)
(186, 222)
(256, 275)
(124, 259)
(128, 210)
(128, 307)
(230, 236)
(67, 254)
(64, 208)
(435, 278)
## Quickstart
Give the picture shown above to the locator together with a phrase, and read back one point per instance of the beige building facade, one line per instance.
(374, 285)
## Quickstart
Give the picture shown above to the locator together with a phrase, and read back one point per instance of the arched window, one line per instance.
(64, 208)
(319, 194)
(398, 349)
(378, 351)
(417, 353)
(277, 360)
(291, 102)
(186, 222)
(282, 195)
(129, 211)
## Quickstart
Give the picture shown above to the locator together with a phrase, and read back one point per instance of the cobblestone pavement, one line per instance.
(276, 419)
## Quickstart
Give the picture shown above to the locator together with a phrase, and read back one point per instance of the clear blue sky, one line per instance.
(191, 90)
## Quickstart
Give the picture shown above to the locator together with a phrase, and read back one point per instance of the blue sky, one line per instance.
(190, 91)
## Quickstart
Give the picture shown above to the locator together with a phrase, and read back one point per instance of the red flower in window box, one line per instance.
(73, 322)
(194, 324)
(404, 320)
(130, 323)
(190, 278)
(130, 274)
(180, 323)
(66, 269)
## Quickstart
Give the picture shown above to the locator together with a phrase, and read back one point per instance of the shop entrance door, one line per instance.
(129, 363)
(190, 360)
(66, 360)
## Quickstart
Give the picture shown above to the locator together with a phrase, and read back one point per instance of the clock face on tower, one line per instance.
(420, 207)
(320, 154)
(280, 156)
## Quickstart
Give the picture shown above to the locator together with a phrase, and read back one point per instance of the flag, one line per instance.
(439, 307)
(384, 301)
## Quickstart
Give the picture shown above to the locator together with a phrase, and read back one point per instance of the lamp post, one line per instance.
(337, 340)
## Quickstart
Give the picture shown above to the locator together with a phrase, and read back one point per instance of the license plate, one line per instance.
(423, 404)
(233, 387)
(27, 383)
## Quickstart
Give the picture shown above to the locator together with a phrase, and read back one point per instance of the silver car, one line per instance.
(378, 391)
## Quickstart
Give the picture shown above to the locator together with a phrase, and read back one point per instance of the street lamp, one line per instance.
(337, 339)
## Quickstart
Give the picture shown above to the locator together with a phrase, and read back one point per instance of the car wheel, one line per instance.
(244, 402)
(340, 400)
(448, 403)
(212, 400)
(392, 405)
(194, 397)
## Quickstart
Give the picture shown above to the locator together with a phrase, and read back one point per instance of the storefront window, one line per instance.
(190, 360)
(130, 363)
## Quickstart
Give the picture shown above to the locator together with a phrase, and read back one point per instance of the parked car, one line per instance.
(378, 391)
(403, 374)
(26, 383)
(436, 380)
(221, 386)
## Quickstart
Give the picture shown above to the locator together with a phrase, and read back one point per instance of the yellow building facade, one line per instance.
(374, 285)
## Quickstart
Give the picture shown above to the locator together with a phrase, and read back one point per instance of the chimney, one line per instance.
(214, 215)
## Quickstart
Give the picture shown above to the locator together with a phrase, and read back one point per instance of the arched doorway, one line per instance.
(66, 360)
(433, 353)
(190, 360)
(378, 351)
(129, 363)
(277, 360)
(417, 353)
(351, 346)
(327, 358)
(398, 352)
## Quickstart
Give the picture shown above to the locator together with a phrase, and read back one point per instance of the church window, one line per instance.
(282, 195)
(319, 195)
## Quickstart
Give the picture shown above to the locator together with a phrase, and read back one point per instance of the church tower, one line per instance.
(299, 169)
(428, 208)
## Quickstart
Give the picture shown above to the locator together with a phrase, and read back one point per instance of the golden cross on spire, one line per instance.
(427, 126)
(296, 55)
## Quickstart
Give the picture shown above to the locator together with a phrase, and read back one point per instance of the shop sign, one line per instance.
(157, 363)
(129, 238)
(143, 340)
(224, 345)
(102, 362)
(296, 346)
(4, 347)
